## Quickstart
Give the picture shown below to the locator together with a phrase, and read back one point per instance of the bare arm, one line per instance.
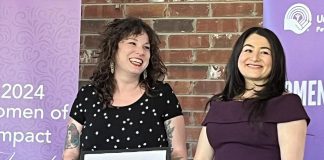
(204, 150)
(72, 141)
(175, 129)
(292, 137)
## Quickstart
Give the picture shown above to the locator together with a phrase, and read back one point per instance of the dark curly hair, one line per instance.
(235, 83)
(117, 30)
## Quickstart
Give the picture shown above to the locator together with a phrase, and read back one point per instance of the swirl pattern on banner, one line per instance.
(39, 52)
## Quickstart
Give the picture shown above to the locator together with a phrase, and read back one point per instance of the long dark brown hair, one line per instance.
(235, 83)
(115, 31)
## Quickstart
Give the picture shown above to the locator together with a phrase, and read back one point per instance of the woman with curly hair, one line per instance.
(127, 105)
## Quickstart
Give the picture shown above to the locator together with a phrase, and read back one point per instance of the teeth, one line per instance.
(253, 65)
(136, 61)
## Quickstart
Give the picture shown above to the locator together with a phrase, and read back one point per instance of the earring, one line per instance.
(112, 67)
(144, 74)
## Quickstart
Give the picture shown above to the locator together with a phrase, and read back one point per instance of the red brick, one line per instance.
(82, 41)
(189, 150)
(83, 83)
(92, 41)
(186, 116)
(259, 9)
(173, 25)
(208, 87)
(187, 72)
(193, 148)
(216, 72)
(212, 56)
(198, 118)
(246, 23)
(163, 39)
(217, 25)
(193, 103)
(86, 71)
(93, 1)
(82, 11)
(88, 56)
(224, 40)
(189, 10)
(181, 87)
(188, 41)
(92, 26)
(235, 10)
(177, 56)
(130, 1)
(194, 118)
(192, 134)
(103, 11)
(146, 11)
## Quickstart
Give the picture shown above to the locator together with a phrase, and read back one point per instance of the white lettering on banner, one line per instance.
(57, 114)
(319, 29)
(20, 91)
(33, 113)
(311, 91)
(28, 137)
(320, 18)
(26, 113)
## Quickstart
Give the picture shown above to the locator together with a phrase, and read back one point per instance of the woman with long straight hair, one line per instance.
(254, 118)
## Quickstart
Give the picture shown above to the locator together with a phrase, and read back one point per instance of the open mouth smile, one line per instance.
(136, 61)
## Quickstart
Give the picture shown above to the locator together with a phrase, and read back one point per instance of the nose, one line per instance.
(141, 50)
(255, 56)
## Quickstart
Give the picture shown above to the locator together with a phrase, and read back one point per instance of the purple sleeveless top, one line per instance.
(233, 138)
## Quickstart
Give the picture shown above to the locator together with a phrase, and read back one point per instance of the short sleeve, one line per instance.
(210, 114)
(205, 121)
(80, 103)
(170, 102)
(285, 108)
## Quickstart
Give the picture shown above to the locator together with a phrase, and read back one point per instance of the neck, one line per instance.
(247, 94)
(127, 92)
(254, 85)
(126, 83)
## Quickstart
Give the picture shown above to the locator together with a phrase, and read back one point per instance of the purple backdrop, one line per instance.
(39, 59)
(300, 27)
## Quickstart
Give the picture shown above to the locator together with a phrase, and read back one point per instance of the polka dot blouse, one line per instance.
(139, 125)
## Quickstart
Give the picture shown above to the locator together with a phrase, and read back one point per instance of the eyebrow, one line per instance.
(249, 45)
(131, 38)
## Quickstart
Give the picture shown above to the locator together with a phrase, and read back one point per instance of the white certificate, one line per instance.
(133, 154)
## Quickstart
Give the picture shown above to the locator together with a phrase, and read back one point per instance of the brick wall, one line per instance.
(196, 36)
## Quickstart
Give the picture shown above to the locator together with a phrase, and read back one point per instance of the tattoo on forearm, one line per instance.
(169, 130)
(72, 137)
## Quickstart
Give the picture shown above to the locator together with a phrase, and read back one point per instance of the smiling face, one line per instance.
(133, 54)
(255, 60)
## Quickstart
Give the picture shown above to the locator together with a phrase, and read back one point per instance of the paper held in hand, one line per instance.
(133, 154)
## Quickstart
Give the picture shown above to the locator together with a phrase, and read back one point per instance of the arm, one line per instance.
(72, 142)
(175, 129)
(204, 150)
(292, 137)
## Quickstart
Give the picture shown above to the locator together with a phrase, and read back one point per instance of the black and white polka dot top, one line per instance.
(139, 125)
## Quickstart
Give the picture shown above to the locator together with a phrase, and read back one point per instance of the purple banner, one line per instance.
(300, 27)
(39, 68)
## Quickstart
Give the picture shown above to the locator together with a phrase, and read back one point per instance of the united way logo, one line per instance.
(298, 18)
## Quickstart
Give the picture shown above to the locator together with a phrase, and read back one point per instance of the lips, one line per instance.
(136, 61)
(254, 65)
